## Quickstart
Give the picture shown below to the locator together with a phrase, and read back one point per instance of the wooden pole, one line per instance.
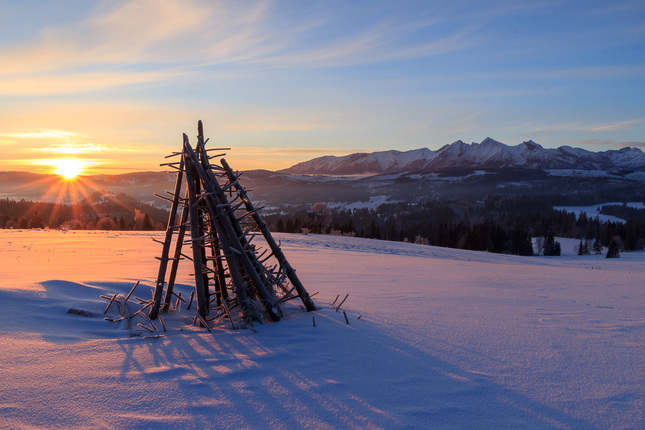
(202, 209)
(163, 263)
(231, 261)
(181, 233)
(220, 279)
(193, 214)
(217, 201)
(264, 229)
(239, 233)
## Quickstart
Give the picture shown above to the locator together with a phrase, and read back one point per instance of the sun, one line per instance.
(68, 168)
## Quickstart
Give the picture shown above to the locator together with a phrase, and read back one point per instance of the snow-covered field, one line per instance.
(446, 339)
(594, 210)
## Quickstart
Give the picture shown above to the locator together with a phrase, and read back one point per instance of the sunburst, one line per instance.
(68, 168)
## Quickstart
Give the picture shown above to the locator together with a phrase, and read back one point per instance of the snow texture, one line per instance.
(594, 210)
(437, 338)
(489, 153)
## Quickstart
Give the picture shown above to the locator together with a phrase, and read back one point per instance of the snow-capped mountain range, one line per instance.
(487, 154)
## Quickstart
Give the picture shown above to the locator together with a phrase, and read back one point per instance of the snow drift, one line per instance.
(445, 339)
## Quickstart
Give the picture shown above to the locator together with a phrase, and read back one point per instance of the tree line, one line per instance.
(501, 224)
(97, 212)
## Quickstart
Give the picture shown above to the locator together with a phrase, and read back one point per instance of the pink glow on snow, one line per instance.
(446, 339)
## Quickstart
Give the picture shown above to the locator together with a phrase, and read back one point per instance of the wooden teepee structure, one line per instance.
(233, 276)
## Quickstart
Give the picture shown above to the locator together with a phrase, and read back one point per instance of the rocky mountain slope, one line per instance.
(488, 154)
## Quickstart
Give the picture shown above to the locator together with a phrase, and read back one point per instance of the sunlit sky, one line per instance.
(116, 83)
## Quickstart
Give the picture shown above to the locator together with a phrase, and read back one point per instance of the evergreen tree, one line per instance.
(374, 231)
(146, 225)
(122, 224)
(597, 246)
(521, 243)
(36, 221)
(551, 246)
(612, 251)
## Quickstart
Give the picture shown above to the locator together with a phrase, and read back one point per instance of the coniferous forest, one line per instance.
(97, 212)
(496, 224)
(500, 224)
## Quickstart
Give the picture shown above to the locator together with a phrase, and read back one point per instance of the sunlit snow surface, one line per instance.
(446, 339)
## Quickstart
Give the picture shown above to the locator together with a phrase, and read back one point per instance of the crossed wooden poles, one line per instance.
(229, 269)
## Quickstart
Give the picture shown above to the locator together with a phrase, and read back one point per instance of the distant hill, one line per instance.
(52, 188)
(569, 176)
(488, 154)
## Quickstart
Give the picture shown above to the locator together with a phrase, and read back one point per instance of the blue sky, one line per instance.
(116, 83)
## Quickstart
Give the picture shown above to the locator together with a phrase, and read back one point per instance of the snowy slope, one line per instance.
(487, 154)
(594, 210)
(366, 163)
(446, 339)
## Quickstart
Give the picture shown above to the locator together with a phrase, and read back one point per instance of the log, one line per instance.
(146, 327)
(178, 302)
(132, 290)
(109, 304)
(264, 229)
(178, 254)
(270, 305)
(163, 264)
(193, 215)
(203, 321)
(190, 302)
(149, 320)
(225, 234)
(332, 303)
(142, 309)
(341, 303)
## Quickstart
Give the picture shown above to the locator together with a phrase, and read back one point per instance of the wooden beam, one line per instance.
(264, 229)
(163, 263)
(214, 202)
(193, 215)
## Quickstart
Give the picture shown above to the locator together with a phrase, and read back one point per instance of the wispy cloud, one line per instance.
(608, 143)
(73, 148)
(142, 41)
(616, 126)
(281, 126)
(71, 83)
(38, 134)
(532, 129)
(256, 150)
(252, 157)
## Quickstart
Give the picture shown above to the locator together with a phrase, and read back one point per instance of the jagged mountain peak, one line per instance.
(490, 141)
(530, 145)
(489, 153)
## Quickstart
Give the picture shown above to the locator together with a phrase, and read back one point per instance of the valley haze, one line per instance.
(458, 170)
